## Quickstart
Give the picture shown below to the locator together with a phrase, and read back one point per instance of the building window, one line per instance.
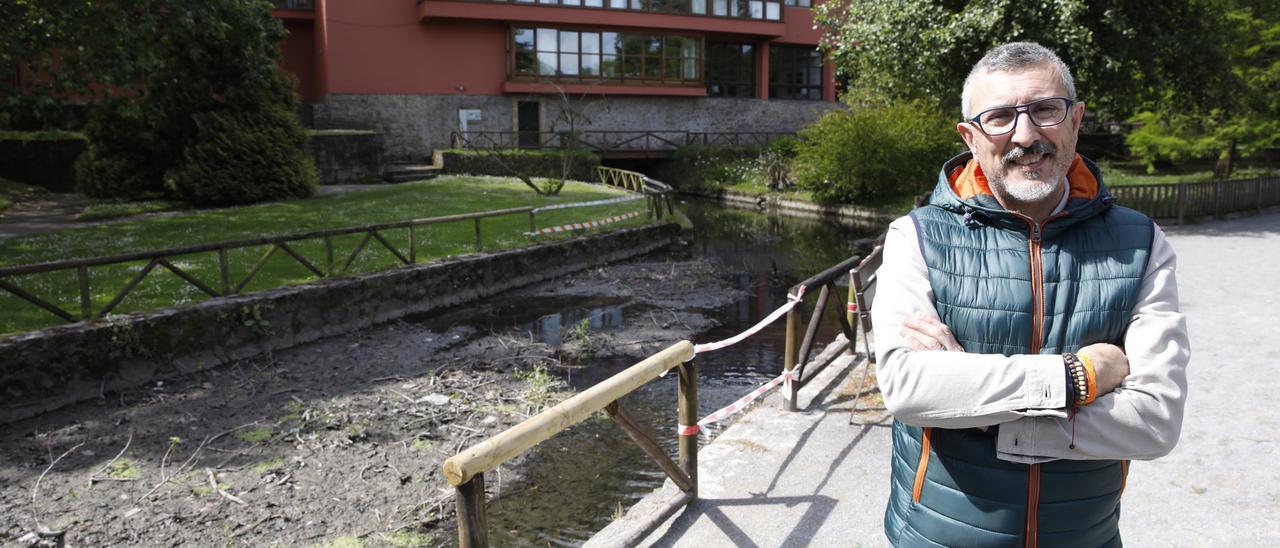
(795, 72)
(798, 3)
(769, 10)
(731, 70)
(577, 55)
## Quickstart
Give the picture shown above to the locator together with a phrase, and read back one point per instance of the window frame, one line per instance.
(646, 64)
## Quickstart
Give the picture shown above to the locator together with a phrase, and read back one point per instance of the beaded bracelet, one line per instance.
(1079, 378)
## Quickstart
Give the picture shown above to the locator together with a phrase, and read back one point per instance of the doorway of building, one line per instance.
(528, 123)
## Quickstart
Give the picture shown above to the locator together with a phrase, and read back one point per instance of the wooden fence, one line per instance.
(1192, 200)
(174, 259)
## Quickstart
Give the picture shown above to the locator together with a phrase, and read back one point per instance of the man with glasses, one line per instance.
(1028, 336)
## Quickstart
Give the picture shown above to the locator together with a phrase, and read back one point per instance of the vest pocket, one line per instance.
(922, 466)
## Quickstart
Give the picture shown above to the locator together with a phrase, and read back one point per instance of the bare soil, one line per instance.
(334, 443)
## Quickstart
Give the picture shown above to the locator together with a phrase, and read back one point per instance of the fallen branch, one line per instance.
(213, 483)
(93, 478)
(187, 463)
(36, 488)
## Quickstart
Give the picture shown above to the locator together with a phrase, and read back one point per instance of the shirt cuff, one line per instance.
(1045, 388)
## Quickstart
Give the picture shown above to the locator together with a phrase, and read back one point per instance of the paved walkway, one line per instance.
(811, 479)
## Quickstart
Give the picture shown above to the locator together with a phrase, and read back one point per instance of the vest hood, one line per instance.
(963, 189)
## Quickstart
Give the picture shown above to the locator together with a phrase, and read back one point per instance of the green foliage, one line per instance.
(709, 168)
(244, 157)
(189, 92)
(1226, 130)
(124, 159)
(548, 165)
(856, 155)
(1124, 53)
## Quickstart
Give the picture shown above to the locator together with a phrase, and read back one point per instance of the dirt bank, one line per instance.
(335, 441)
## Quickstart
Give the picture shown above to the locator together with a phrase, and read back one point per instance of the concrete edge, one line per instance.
(43, 370)
(796, 208)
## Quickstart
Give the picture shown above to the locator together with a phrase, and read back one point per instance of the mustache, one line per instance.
(1038, 148)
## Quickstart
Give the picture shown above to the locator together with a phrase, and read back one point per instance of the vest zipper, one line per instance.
(1037, 334)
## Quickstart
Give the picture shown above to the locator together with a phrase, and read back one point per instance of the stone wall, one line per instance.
(414, 125)
(347, 157)
(49, 163)
(47, 369)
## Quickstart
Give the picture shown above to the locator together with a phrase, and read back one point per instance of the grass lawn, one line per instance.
(161, 288)
(1135, 173)
(114, 209)
(12, 191)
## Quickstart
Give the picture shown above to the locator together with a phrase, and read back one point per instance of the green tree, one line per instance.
(179, 88)
(1247, 121)
(1125, 53)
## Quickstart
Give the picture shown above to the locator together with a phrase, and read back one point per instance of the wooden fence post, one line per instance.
(1182, 203)
(86, 300)
(1258, 194)
(1217, 200)
(688, 395)
(473, 527)
(789, 352)
(478, 246)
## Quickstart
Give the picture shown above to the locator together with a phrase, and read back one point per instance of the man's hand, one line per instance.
(1109, 363)
(925, 332)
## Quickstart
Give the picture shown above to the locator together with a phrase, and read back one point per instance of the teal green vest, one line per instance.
(1092, 258)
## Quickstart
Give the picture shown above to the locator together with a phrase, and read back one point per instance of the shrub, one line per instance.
(710, 167)
(243, 157)
(123, 159)
(864, 154)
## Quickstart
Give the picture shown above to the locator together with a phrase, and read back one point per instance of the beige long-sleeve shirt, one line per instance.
(1025, 393)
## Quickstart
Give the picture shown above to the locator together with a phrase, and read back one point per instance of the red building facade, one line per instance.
(417, 72)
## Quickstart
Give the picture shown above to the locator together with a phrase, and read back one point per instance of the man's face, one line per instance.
(1026, 165)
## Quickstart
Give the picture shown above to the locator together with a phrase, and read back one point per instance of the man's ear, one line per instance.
(968, 133)
(1077, 115)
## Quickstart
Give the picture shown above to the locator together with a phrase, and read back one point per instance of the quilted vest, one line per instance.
(1005, 285)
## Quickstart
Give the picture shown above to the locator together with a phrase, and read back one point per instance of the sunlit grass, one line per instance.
(384, 204)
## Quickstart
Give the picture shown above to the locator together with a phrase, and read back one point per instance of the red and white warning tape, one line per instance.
(785, 379)
(792, 301)
(586, 225)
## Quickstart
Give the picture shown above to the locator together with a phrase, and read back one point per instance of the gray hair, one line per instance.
(1013, 57)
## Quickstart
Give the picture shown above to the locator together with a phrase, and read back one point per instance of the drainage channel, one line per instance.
(580, 480)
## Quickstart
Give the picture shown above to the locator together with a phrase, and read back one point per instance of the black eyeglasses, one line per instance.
(1043, 113)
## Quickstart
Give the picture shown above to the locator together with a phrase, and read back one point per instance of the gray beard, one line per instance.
(1039, 187)
(1033, 191)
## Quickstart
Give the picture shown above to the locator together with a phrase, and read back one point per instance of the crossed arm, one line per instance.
(928, 380)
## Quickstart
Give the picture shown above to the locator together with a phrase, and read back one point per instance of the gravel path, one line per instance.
(1221, 485)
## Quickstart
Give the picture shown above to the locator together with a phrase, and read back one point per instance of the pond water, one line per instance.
(579, 480)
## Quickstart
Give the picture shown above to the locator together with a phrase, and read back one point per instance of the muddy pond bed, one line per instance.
(340, 442)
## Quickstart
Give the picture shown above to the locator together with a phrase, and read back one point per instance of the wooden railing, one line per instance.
(1191, 200)
(227, 285)
(657, 194)
(465, 471)
(605, 142)
(796, 359)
